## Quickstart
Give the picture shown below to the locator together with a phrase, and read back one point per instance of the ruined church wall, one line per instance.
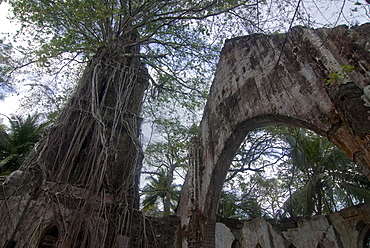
(312, 78)
(343, 229)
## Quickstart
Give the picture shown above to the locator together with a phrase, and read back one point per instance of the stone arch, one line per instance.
(257, 84)
(364, 237)
(233, 144)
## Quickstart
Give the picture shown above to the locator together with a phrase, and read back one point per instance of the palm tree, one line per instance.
(160, 189)
(18, 140)
(166, 161)
(325, 178)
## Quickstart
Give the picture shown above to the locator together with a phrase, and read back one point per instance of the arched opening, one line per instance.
(50, 238)
(283, 171)
(364, 237)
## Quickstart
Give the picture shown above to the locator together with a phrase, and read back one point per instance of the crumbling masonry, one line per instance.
(301, 78)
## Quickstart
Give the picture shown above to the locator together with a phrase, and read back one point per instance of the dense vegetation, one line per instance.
(292, 172)
(17, 140)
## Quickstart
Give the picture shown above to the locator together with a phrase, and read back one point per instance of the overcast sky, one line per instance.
(11, 103)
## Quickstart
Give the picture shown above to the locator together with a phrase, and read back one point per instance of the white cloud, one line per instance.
(6, 26)
(11, 103)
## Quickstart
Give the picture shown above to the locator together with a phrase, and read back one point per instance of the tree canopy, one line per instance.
(327, 179)
(171, 34)
(306, 175)
(179, 40)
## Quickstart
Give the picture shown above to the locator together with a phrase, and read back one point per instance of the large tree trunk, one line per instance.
(79, 187)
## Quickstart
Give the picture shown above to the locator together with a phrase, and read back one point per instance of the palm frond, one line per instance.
(359, 193)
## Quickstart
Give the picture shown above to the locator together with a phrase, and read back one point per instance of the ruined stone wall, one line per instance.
(344, 229)
(316, 79)
(53, 214)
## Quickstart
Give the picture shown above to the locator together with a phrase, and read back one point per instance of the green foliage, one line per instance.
(85, 26)
(179, 40)
(328, 179)
(240, 207)
(334, 76)
(250, 176)
(165, 162)
(158, 188)
(290, 172)
(251, 195)
(5, 62)
(18, 141)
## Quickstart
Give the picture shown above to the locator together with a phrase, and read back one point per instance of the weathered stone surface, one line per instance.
(301, 79)
(224, 237)
(312, 231)
(259, 231)
(343, 229)
(349, 222)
